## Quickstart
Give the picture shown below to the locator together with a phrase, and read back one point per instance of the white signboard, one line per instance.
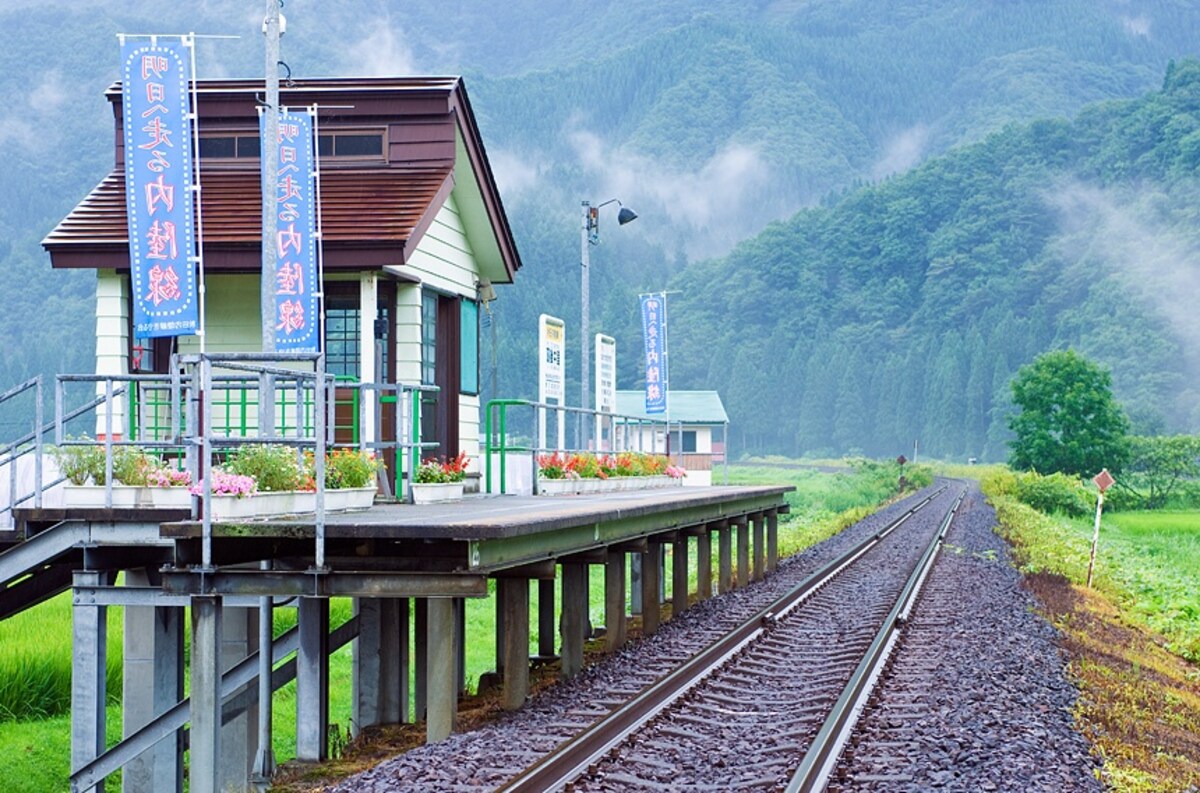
(606, 373)
(551, 337)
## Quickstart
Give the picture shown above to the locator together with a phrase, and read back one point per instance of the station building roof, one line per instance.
(687, 407)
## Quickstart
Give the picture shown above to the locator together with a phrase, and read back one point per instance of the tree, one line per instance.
(1068, 419)
(1163, 462)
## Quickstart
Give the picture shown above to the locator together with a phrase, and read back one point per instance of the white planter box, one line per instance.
(349, 498)
(263, 505)
(436, 493)
(558, 487)
(128, 497)
(563, 487)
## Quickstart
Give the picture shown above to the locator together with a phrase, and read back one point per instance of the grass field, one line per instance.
(35, 646)
(1139, 703)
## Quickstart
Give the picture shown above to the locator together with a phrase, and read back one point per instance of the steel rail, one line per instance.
(821, 759)
(573, 757)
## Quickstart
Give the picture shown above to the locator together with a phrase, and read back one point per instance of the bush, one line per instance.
(1055, 493)
(273, 467)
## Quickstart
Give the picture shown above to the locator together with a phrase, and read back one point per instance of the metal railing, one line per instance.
(625, 433)
(405, 400)
(29, 443)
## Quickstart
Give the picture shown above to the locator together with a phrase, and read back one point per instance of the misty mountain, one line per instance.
(711, 119)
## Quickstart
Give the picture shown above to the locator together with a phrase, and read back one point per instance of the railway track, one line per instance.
(769, 705)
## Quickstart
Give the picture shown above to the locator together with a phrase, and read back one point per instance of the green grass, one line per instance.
(35, 645)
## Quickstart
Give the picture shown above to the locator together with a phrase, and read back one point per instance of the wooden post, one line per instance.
(679, 576)
(759, 556)
(724, 559)
(704, 565)
(1095, 537)
(650, 575)
(516, 640)
(743, 553)
(614, 600)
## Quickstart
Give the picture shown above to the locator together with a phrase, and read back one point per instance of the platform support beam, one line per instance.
(679, 576)
(514, 594)
(89, 640)
(441, 668)
(743, 553)
(724, 559)
(380, 673)
(204, 739)
(312, 680)
(574, 616)
(772, 541)
(759, 552)
(546, 631)
(153, 683)
(651, 568)
(614, 600)
(704, 565)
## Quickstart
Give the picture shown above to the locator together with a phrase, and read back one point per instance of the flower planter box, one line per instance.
(349, 498)
(558, 487)
(436, 493)
(563, 487)
(128, 497)
(263, 505)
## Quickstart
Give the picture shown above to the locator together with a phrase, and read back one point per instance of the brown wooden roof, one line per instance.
(373, 214)
(368, 219)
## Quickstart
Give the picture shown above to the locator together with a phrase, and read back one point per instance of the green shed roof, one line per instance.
(689, 407)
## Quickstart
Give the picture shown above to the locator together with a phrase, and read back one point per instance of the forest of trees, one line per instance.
(892, 309)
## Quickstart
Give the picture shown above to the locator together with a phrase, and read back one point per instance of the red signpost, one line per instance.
(1103, 481)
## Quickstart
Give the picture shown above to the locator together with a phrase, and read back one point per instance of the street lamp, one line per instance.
(589, 234)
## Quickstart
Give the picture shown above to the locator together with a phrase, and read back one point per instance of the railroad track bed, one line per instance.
(975, 697)
(748, 724)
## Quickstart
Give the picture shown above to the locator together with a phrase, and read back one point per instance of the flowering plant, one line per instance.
(168, 477)
(432, 471)
(675, 472)
(584, 465)
(344, 468)
(226, 483)
(553, 466)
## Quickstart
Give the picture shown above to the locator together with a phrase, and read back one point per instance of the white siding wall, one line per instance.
(112, 340)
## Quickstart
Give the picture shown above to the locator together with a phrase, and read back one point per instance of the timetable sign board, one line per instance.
(551, 339)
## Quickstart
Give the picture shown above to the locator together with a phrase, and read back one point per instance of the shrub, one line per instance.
(273, 467)
(1056, 492)
(346, 468)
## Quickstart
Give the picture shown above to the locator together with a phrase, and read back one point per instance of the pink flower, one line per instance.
(227, 484)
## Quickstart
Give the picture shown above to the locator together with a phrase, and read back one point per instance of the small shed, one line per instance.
(699, 428)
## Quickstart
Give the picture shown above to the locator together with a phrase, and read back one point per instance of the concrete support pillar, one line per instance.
(546, 630)
(759, 551)
(380, 672)
(635, 583)
(743, 553)
(704, 565)
(421, 657)
(312, 680)
(460, 644)
(499, 626)
(441, 667)
(614, 600)
(153, 683)
(574, 616)
(239, 735)
(724, 559)
(650, 573)
(679, 576)
(204, 739)
(515, 597)
(772, 541)
(88, 678)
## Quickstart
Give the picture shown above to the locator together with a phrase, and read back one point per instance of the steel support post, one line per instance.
(379, 664)
(679, 576)
(724, 560)
(515, 597)
(574, 616)
(772, 541)
(421, 657)
(239, 735)
(759, 552)
(546, 631)
(312, 679)
(441, 665)
(88, 677)
(614, 600)
(651, 614)
(743, 553)
(704, 565)
(204, 739)
(500, 624)
(635, 583)
(153, 683)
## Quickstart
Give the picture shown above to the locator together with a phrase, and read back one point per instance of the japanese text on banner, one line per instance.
(297, 316)
(654, 333)
(158, 188)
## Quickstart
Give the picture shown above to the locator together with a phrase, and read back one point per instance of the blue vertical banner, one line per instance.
(654, 331)
(158, 188)
(297, 317)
